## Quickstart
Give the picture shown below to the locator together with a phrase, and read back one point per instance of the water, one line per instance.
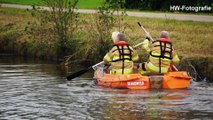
(38, 90)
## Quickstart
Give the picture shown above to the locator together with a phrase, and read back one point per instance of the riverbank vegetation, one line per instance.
(19, 25)
(21, 33)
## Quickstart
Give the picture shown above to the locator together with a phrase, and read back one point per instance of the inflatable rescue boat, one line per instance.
(170, 80)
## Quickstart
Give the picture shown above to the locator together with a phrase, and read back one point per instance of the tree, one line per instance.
(64, 19)
(109, 16)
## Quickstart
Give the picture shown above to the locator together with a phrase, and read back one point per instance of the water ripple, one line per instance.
(32, 91)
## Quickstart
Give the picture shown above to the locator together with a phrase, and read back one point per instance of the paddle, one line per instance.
(145, 31)
(153, 41)
(76, 74)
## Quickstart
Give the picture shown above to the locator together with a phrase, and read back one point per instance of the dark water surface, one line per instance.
(38, 90)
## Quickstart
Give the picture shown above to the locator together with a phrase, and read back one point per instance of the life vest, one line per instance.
(120, 48)
(123, 56)
(165, 47)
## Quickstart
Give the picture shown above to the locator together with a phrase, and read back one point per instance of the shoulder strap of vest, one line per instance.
(122, 54)
(120, 48)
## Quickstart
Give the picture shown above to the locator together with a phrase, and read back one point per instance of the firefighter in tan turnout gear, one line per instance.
(121, 56)
(161, 55)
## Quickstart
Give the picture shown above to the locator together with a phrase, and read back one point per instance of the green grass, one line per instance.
(189, 38)
(82, 3)
(89, 3)
(24, 2)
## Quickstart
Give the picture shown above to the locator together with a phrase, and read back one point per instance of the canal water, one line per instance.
(38, 90)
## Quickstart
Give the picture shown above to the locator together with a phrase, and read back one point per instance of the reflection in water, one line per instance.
(38, 90)
(137, 104)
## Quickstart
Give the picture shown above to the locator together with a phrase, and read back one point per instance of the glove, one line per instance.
(148, 38)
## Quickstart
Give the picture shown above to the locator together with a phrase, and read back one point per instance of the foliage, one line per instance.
(65, 19)
(100, 28)
(61, 21)
(8, 40)
(117, 8)
(195, 37)
(199, 68)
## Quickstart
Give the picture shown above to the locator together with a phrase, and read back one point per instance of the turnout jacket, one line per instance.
(121, 58)
(161, 55)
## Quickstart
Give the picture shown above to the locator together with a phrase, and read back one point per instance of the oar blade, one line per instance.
(76, 74)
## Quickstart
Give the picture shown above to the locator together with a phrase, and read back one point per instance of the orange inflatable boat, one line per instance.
(170, 80)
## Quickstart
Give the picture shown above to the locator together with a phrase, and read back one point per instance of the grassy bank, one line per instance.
(189, 38)
(24, 2)
(89, 4)
(21, 33)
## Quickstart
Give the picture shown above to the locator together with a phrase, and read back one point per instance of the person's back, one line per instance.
(121, 56)
(161, 55)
